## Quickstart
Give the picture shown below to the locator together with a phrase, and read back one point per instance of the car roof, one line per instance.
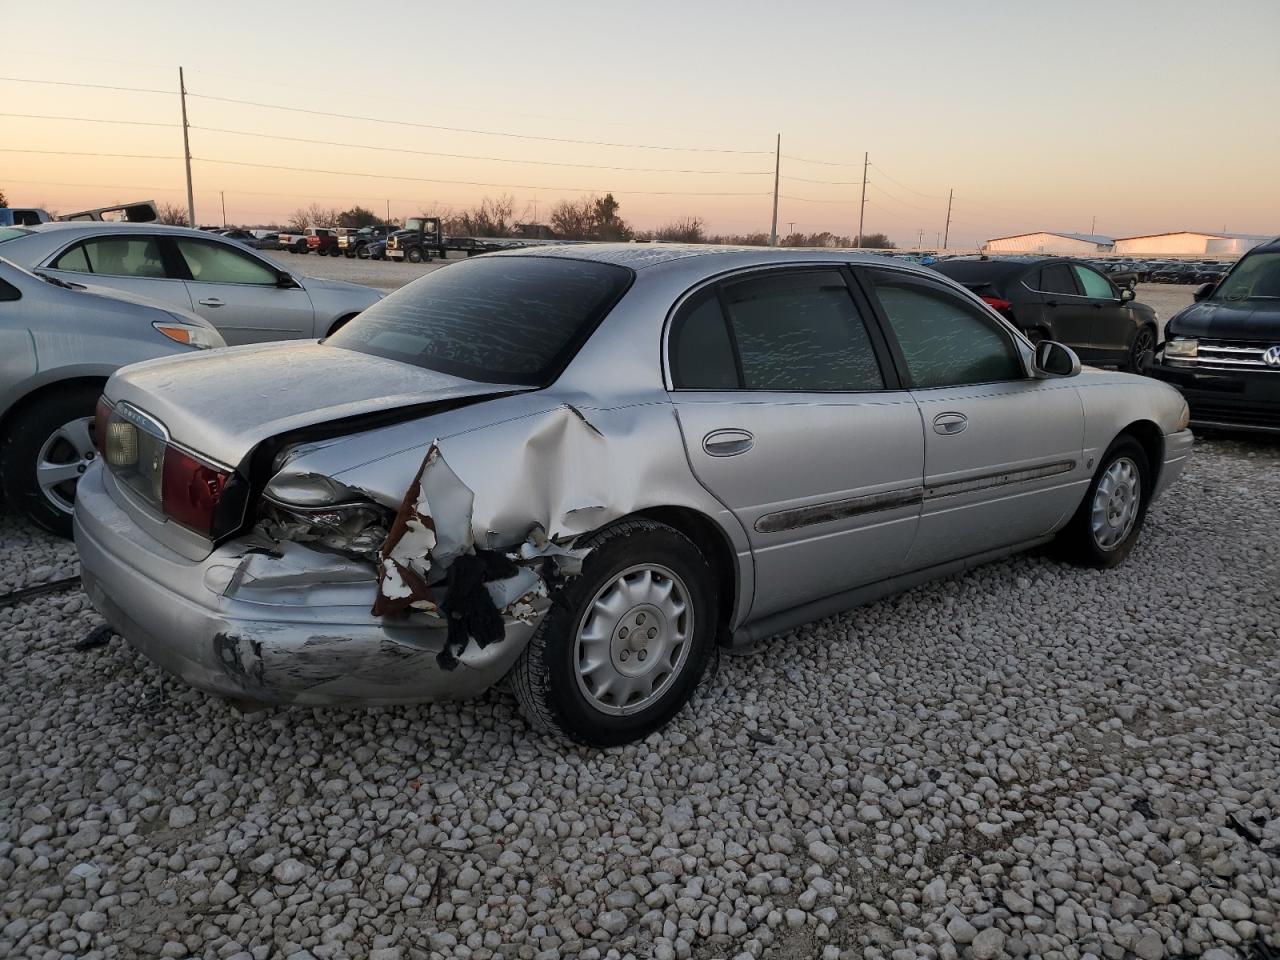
(646, 256)
(989, 271)
(58, 226)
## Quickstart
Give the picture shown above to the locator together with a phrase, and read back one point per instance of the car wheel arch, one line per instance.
(714, 542)
(53, 386)
(341, 322)
(1151, 439)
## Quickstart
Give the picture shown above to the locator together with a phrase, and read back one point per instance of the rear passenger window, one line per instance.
(701, 354)
(1094, 284)
(800, 330)
(115, 257)
(1056, 278)
(945, 340)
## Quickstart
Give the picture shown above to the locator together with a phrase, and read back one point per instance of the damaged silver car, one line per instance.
(584, 468)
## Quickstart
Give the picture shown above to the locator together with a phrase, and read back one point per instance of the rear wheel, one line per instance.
(1142, 351)
(623, 646)
(45, 451)
(1106, 526)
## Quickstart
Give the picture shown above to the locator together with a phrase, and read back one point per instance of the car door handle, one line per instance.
(727, 443)
(948, 424)
(212, 302)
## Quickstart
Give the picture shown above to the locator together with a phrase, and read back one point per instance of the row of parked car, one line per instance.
(418, 240)
(277, 522)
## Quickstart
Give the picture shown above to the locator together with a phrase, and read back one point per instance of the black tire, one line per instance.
(362, 253)
(32, 425)
(414, 255)
(1077, 541)
(545, 678)
(1036, 334)
(339, 324)
(1142, 351)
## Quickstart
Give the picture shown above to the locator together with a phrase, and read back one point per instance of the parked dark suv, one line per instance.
(1063, 300)
(1223, 351)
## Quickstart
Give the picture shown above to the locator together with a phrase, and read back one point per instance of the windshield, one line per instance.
(13, 233)
(1256, 277)
(497, 320)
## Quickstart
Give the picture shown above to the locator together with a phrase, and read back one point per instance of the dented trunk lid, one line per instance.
(223, 403)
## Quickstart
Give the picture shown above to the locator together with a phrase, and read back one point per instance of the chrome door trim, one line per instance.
(832, 510)
(1000, 478)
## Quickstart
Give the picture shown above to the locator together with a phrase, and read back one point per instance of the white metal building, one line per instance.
(1076, 244)
(1190, 243)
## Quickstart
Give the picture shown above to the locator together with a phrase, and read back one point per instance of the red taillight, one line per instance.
(101, 414)
(191, 490)
(999, 303)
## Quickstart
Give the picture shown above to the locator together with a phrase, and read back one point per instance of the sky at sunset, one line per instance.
(1148, 116)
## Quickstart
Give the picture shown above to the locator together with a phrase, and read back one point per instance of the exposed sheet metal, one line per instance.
(838, 510)
(999, 479)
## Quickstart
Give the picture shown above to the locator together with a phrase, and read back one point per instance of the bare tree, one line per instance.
(173, 215)
(4, 201)
(878, 241)
(682, 230)
(314, 215)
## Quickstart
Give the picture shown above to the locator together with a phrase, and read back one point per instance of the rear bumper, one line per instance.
(289, 629)
(1227, 399)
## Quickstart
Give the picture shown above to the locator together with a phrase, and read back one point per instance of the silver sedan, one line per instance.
(60, 344)
(249, 298)
(584, 468)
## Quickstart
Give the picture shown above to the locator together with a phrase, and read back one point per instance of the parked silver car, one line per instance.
(585, 467)
(60, 343)
(249, 298)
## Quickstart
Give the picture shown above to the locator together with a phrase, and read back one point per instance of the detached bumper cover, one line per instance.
(290, 629)
(1234, 399)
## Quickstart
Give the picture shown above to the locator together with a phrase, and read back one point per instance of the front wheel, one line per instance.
(1105, 528)
(413, 255)
(362, 253)
(45, 451)
(623, 646)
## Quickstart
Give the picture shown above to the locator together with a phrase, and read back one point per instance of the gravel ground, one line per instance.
(1027, 760)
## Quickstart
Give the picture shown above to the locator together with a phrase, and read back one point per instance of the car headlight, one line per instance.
(202, 338)
(1182, 348)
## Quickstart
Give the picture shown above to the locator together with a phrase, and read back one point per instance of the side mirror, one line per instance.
(285, 281)
(1053, 359)
(1205, 291)
(1126, 294)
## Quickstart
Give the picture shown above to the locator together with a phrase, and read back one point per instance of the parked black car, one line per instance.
(357, 244)
(1175, 273)
(1063, 300)
(1223, 351)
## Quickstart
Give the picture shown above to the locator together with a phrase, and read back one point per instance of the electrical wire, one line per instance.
(80, 153)
(824, 163)
(481, 183)
(485, 133)
(136, 123)
(931, 196)
(88, 86)
(466, 156)
(829, 183)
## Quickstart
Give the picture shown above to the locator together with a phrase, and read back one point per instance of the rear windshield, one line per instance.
(12, 233)
(495, 319)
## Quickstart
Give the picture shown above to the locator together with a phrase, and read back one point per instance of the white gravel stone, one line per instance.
(973, 769)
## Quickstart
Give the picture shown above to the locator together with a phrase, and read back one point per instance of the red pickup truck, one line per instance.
(323, 240)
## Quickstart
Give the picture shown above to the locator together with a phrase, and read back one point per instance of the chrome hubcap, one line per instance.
(634, 639)
(62, 459)
(1115, 504)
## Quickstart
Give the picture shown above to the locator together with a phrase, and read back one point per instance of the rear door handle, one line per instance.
(212, 302)
(727, 443)
(949, 424)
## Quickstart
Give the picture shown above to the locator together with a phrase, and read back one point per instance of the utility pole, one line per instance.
(919, 237)
(1093, 225)
(777, 169)
(937, 239)
(862, 209)
(791, 227)
(223, 195)
(186, 149)
(947, 234)
(388, 220)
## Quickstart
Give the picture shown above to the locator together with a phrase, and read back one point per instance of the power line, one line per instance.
(79, 153)
(816, 199)
(86, 86)
(898, 200)
(136, 123)
(486, 133)
(829, 183)
(931, 196)
(824, 163)
(466, 156)
(481, 183)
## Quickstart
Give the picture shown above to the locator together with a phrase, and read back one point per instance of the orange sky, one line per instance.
(1147, 116)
